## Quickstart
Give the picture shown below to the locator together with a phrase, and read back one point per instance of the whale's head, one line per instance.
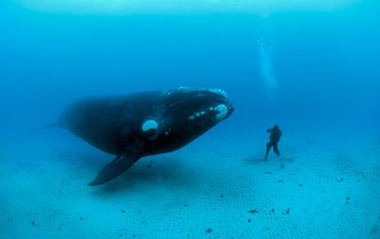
(185, 114)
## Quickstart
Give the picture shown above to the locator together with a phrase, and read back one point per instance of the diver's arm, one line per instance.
(279, 135)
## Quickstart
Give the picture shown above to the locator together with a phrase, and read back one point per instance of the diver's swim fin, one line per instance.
(119, 165)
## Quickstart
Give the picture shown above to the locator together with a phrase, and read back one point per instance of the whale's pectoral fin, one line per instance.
(119, 165)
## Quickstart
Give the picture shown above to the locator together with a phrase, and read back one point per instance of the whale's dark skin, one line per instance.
(142, 124)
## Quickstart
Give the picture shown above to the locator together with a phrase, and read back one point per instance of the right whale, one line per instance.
(141, 124)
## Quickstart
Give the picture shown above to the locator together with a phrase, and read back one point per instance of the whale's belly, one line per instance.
(98, 123)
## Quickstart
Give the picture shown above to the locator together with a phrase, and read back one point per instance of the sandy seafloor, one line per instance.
(216, 187)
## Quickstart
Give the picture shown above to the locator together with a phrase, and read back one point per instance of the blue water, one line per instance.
(316, 73)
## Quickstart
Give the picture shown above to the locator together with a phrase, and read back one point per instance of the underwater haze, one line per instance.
(311, 68)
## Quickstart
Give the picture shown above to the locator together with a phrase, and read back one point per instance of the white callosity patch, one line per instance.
(167, 132)
(222, 112)
(197, 115)
(171, 91)
(149, 125)
(219, 91)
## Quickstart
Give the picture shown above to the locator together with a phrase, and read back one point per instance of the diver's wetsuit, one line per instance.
(274, 138)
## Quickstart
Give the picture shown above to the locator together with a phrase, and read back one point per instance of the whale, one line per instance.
(141, 124)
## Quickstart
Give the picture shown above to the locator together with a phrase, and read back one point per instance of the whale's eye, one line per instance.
(149, 125)
(221, 111)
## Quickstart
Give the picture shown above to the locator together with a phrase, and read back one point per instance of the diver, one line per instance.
(274, 138)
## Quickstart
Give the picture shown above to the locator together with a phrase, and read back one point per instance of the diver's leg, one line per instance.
(276, 150)
(269, 146)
